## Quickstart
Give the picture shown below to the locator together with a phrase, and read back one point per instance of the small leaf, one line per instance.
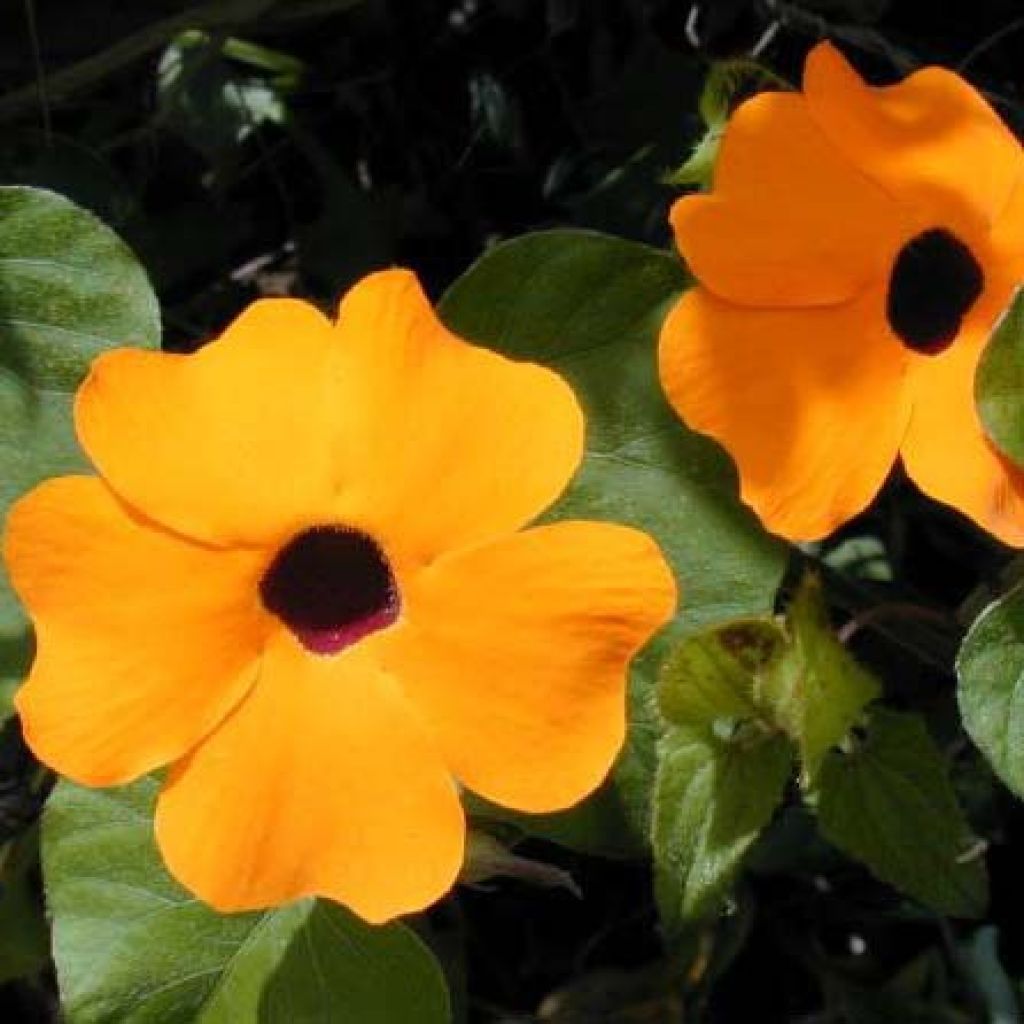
(712, 675)
(591, 307)
(725, 82)
(69, 289)
(712, 798)
(210, 103)
(494, 113)
(132, 947)
(699, 168)
(980, 952)
(722, 770)
(999, 382)
(990, 668)
(817, 689)
(889, 803)
(862, 558)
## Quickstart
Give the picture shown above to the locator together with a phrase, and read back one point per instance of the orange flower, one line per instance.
(300, 580)
(856, 250)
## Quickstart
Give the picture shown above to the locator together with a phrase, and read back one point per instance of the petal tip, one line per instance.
(826, 62)
(392, 284)
(226, 894)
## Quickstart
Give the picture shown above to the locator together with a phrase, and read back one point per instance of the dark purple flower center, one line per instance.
(935, 280)
(332, 586)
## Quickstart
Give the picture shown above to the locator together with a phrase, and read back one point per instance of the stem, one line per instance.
(37, 63)
(890, 610)
(935, 647)
(989, 41)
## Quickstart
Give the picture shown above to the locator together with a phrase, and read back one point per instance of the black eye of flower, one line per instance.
(935, 280)
(331, 586)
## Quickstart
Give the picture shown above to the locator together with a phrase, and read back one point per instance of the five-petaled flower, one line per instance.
(302, 580)
(857, 247)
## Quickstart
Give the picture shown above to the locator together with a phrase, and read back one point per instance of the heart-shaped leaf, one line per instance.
(888, 802)
(712, 798)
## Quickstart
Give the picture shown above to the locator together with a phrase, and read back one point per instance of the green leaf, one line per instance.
(699, 169)
(712, 798)
(990, 668)
(69, 289)
(725, 80)
(889, 803)
(132, 947)
(981, 954)
(591, 307)
(862, 558)
(722, 768)
(714, 675)
(817, 689)
(999, 382)
(210, 103)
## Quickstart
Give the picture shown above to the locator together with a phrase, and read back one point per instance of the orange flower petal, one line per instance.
(145, 641)
(516, 652)
(791, 221)
(231, 444)
(323, 782)
(285, 421)
(946, 452)
(449, 444)
(931, 141)
(809, 403)
(1005, 243)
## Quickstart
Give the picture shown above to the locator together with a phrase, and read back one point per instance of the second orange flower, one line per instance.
(856, 250)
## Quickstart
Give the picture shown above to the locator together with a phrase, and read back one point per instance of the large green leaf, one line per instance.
(990, 667)
(132, 947)
(888, 802)
(817, 689)
(69, 289)
(712, 798)
(591, 306)
(999, 383)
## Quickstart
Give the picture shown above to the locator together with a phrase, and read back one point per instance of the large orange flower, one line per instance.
(301, 580)
(856, 249)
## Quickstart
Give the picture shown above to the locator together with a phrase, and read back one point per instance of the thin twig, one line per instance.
(855, 597)
(890, 610)
(40, 72)
(989, 41)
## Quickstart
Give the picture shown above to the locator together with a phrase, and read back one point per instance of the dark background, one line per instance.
(419, 132)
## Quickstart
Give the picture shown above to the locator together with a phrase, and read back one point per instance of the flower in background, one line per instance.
(855, 252)
(301, 580)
